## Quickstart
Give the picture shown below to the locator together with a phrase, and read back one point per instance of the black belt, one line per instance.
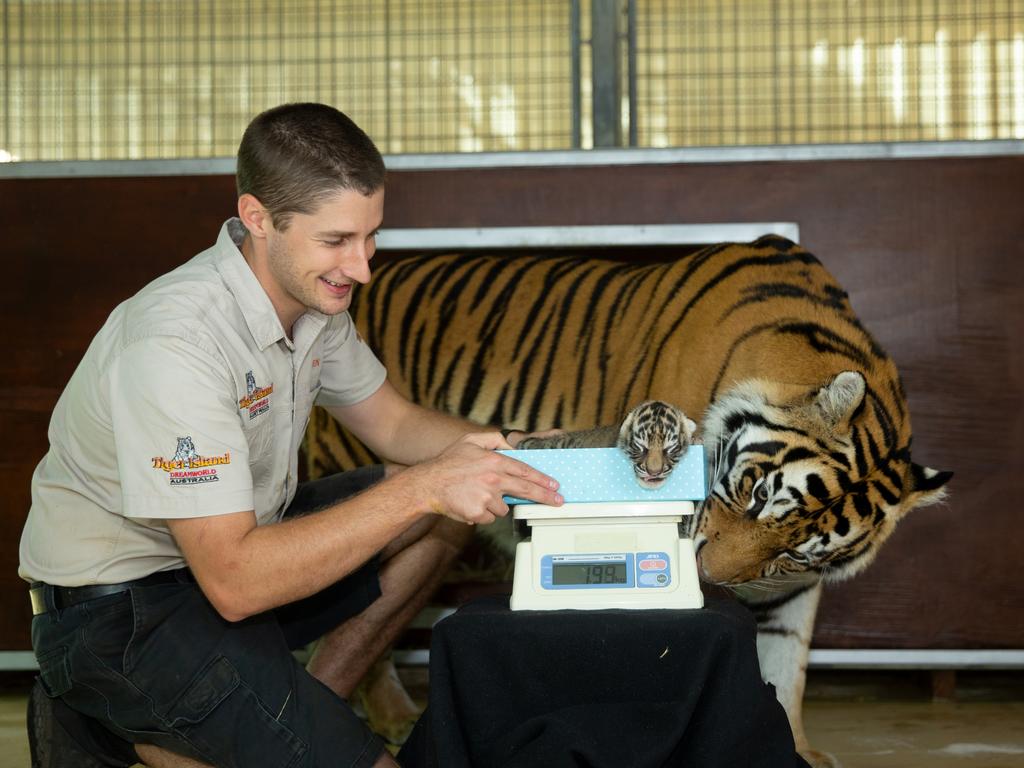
(49, 597)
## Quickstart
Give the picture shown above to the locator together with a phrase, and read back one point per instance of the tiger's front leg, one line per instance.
(783, 646)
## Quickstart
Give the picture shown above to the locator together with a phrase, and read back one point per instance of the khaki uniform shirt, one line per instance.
(190, 401)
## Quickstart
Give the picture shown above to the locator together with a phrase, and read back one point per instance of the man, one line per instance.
(172, 559)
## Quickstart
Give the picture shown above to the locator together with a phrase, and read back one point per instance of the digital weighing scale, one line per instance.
(613, 544)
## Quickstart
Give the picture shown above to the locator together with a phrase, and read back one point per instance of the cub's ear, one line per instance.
(690, 425)
(840, 400)
(627, 425)
(927, 486)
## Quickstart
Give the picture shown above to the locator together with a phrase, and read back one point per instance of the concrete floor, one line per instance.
(889, 720)
(867, 721)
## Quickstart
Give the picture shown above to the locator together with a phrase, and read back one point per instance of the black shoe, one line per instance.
(59, 737)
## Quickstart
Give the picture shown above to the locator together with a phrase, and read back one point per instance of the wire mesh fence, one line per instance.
(122, 79)
(829, 71)
(92, 79)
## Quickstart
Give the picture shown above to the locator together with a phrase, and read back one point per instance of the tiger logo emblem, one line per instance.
(250, 383)
(186, 452)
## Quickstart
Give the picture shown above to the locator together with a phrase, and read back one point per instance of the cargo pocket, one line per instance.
(55, 672)
(221, 716)
(211, 686)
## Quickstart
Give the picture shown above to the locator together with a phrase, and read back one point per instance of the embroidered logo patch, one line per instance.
(257, 399)
(187, 467)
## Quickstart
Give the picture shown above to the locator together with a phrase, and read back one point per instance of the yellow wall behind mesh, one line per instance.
(766, 72)
(147, 79)
(93, 79)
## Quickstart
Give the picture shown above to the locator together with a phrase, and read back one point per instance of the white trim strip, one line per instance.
(859, 659)
(17, 661)
(822, 658)
(59, 169)
(764, 153)
(218, 166)
(825, 658)
(540, 237)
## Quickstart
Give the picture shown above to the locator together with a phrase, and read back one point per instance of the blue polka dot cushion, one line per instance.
(605, 474)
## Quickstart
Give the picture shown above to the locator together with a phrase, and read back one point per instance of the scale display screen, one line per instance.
(600, 571)
(588, 573)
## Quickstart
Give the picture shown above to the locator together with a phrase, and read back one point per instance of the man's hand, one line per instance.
(468, 480)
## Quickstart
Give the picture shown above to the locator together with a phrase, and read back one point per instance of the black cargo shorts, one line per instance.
(158, 665)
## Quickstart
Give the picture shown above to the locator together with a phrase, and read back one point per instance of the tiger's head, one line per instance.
(654, 436)
(804, 486)
(186, 449)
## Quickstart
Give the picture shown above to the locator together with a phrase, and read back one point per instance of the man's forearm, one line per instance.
(245, 569)
(400, 431)
(307, 554)
(422, 434)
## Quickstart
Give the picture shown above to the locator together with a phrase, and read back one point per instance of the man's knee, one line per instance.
(449, 536)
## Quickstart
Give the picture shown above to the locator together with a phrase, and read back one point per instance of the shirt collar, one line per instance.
(257, 309)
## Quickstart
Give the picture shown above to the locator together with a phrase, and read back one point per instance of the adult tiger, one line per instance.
(804, 413)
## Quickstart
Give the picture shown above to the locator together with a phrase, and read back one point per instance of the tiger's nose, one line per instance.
(654, 466)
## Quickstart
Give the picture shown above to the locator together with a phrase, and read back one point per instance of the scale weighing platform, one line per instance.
(613, 544)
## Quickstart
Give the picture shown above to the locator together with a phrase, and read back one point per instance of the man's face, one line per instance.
(316, 262)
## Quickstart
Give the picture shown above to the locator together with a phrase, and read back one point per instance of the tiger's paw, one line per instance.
(818, 759)
(390, 712)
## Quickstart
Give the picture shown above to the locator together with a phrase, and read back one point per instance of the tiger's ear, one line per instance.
(690, 426)
(927, 486)
(841, 399)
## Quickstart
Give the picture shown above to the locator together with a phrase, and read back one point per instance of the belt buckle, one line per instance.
(38, 598)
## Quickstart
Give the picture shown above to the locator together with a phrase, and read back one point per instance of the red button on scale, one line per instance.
(653, 565)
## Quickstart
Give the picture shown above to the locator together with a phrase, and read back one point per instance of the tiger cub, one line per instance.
(654, 435)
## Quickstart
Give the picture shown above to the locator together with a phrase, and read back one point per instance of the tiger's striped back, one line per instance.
(574, 341)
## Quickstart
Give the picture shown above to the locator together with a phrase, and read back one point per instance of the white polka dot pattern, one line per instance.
(605, 474)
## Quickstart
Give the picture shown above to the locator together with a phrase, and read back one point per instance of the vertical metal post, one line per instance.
(606, 72)
(575, 43)
(7, 85)
(631, 70)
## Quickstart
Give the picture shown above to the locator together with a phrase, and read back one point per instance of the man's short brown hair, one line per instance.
(293, 156)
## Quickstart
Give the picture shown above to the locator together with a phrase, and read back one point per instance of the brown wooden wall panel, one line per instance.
(930, 251)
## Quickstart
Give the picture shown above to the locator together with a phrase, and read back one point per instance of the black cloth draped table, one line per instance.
(643, 689)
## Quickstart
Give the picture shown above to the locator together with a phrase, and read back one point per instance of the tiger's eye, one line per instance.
(761, 493)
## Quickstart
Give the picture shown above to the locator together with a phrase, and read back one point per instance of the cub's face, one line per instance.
(654, 436)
